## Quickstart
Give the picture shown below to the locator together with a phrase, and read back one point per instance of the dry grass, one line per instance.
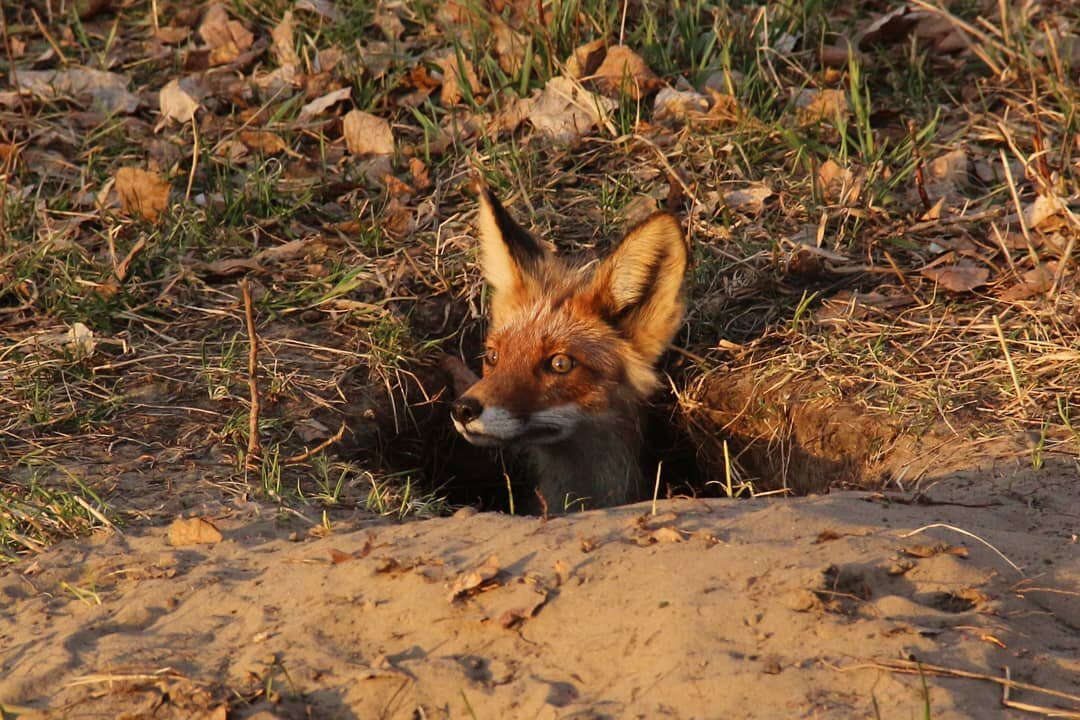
(123, 366)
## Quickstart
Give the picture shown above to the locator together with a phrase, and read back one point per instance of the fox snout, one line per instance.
(491, 425)
(466, 409)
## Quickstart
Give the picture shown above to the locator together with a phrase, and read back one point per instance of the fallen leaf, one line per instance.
(586, 59)
(452, 66)
(105, 89)
(887, 29)
(387, 20)
(623, 72)
(172, 34)
(193, 531)
(282, 35)
(80, 340)
(475, 580)
(263, 141)
(226, 38)
(927, 551)
(566, 112)
(1036, 281)
(367, 134)
(947, 175)
(671, 104)
(420, 176)
(837, 184)
(176, 103)
(325, 8)
(337, 556)
(1042, 209)
(510, 46)
(321, 104)
(814, 106)
(839, 55)
(750, 199)
(142, 192)
(962, 277)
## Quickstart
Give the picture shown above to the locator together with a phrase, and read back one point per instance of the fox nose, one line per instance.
(466, 409)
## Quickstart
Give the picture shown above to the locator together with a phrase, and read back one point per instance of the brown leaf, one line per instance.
(263, 141)
(566, 112)
(962, 277)
(1041, 210)
(837, 184)
(452, 66)
(172, 34)
(476, 580)
(142, 192)
(366, 134)
(887, 29)
(585, 59)
(109, 90)
(337, 556)
(387, 20)
(927, 551)
(176, 103)
(510, 46)
(1036, 281)
(324, 8)
(420, 176)
(193, 531)
(750, 199)
(814, 106)
(226, 38)
(624, 72)
(671, 104)
(282, 35)
(321, 104)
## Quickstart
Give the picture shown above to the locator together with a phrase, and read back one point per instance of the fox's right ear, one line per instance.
(512, 260)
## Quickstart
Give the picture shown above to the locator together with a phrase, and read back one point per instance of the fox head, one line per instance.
(569, 345)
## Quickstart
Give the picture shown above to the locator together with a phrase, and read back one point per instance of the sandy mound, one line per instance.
(734, 609)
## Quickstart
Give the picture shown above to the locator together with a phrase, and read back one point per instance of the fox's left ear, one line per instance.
(639, 286)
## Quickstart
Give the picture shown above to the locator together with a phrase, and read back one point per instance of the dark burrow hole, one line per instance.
(774, 441)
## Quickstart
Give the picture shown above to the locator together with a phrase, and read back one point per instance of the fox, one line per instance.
(570, 355)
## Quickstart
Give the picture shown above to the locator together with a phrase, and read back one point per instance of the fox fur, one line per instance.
(570, 355)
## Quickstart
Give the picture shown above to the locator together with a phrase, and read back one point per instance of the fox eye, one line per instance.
(491, 357)
(561, 363)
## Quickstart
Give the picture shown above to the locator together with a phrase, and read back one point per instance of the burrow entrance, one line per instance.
(726, 433)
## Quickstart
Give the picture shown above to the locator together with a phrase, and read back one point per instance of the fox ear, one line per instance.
(639, 286)
(512, 260)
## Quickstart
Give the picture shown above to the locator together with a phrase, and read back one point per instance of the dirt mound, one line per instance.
(806, 607)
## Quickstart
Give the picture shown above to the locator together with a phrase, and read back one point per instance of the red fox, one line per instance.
(570, 353)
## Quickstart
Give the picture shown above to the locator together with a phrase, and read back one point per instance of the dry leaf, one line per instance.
(325, 8)
(475, 580)
(226, 38)
(80, 340)
(172, 34)
(452, 66)
(263, 141)
(387, 20)
(837, 184)
(320, 105)
(106, 89)
(813, 106)
(366, 134)
(839, 55)
(193, 531)
(142, 192)
(750, 199)
(947, 175)
(624, 72)
(510, 46)
(962, 277)
(671, 104)
(1042, 209)
(176, 103)
(887, 29)
(586, 59)
(282, 35)
(1036, 281)
(566, 112)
